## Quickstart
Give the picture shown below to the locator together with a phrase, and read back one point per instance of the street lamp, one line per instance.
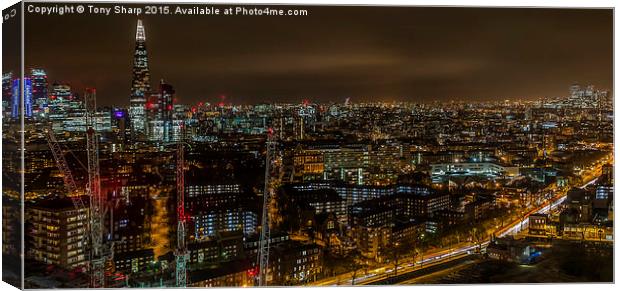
(396, 258)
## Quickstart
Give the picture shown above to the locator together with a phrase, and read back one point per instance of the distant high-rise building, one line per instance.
(577, 92)
(166, 93)
(120, 124)
(15, 99)
(39, 89)
(61, 92)
(161, 114)
(63, 105)
(7, 90)
(588, 97)
(140, 84)
(28, 97)
(66, 112)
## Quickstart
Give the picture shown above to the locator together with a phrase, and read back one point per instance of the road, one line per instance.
(446, 270)
(448, 265)
(160, 224)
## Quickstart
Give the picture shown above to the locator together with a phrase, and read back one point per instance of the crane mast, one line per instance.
(181, 251)
(268, 190)
(97, 254)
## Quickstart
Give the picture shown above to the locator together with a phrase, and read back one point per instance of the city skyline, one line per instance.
(439, 54)
(195, 151)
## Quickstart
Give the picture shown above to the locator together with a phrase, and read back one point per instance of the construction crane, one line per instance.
(99, 252)
(181, 255)
(63, 166)
(69, 182)
(268, 191)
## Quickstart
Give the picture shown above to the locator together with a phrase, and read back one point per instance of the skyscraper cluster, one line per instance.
(151, 113)
(35, 94)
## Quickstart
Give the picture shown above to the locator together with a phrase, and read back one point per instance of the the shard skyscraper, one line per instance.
(140, 85)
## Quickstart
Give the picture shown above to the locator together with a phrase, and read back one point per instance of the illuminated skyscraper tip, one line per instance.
(140, 35)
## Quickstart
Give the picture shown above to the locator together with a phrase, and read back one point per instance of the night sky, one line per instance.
(367, 53)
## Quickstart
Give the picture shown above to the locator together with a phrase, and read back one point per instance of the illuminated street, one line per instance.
(458, 251)
(160, 225)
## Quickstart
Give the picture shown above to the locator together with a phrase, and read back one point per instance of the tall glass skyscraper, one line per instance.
(140, 85)
(28, 97)
(161, 114)
(7, 91)
(15, 104)
(39, 88)
(15, 99)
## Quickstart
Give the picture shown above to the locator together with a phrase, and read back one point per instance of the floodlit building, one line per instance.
(443, 172)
